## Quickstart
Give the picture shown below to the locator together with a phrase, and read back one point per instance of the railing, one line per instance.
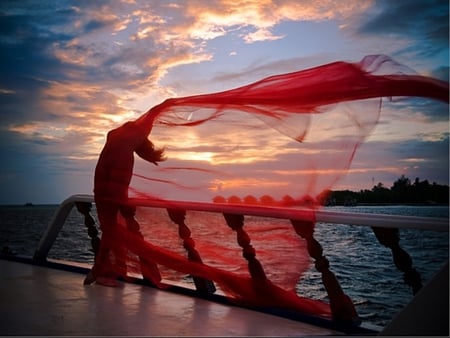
(57, 222)
(358, 219)
(385, 228)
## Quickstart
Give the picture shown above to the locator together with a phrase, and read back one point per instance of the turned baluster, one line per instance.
(341, 305)
(390, 238)
(85, 209)
(178, 217)
(149, 269)
(236, 222)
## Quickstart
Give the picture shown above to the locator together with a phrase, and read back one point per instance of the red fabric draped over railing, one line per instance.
(281, 141)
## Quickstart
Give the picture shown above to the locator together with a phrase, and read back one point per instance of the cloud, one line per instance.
(418, 109)
(387, 161)
(426, 23)
(125, 47)
(425, 159)
(72, 70)
(441, 72)
(254, 20)
(39, 170)
(257, 70)
(149, 38)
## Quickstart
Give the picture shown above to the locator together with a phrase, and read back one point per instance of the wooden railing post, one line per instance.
(390, 238)
(178, 217)
(342, 308)
(236, 222)
(149, 269)
(85, 209)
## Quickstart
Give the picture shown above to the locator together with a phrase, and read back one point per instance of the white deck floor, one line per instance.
(43, 301)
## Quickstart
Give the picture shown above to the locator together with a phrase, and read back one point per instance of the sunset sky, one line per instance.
(72, 70)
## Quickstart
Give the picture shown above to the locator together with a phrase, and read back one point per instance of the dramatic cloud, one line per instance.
(423, 24)
(72, 70)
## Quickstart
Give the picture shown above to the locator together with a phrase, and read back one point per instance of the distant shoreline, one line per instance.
(423, 204)
(31, 205)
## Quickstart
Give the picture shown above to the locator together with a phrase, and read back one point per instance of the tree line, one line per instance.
(401, 191)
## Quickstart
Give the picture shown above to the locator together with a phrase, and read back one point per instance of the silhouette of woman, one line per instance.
(113, 175)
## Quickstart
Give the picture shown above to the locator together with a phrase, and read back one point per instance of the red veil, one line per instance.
(281, 141)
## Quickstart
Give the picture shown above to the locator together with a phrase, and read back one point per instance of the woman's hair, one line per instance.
(159, 154)
(148, 152)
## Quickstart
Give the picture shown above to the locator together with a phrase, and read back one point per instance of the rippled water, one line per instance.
(363, 267)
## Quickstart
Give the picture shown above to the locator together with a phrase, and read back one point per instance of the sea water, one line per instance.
(363, 266)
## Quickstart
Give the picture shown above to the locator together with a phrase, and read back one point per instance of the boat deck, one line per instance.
(44, 301)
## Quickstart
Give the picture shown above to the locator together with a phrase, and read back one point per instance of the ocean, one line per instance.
(363, 267)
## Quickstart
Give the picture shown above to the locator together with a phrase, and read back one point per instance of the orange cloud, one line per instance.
(137, 44)
(147, 40)
(215, 18)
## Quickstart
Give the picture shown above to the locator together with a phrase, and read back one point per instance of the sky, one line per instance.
(70, 71)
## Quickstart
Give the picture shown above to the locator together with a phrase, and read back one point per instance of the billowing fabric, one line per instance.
(280, 142)
(285, 138)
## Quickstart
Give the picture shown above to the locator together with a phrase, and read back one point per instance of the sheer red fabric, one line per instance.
(282, 141)
(285, 138)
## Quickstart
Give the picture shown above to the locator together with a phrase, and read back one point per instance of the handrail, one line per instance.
(323, 216)
(56, 223)
(384, 221)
